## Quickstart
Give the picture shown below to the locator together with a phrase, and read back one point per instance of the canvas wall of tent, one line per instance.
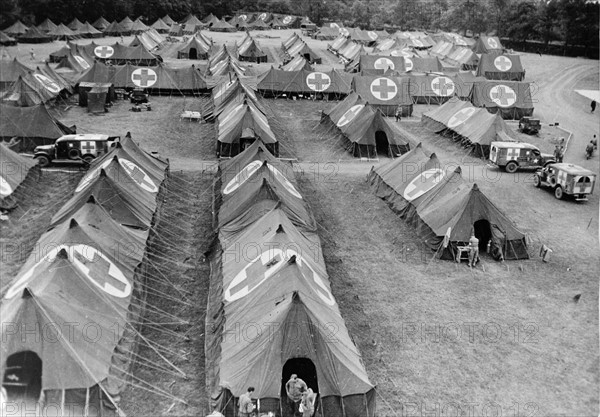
(445, 208)
(332, 84)
(257, 201)
(104, 286)
(17, 175)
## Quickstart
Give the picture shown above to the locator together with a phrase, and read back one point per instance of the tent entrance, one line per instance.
(381, 143)
(193, 53)
(306, 371)
(483, 232)
(22, 378)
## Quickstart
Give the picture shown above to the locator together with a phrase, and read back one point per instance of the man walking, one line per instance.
(473, 250)
(294, 388)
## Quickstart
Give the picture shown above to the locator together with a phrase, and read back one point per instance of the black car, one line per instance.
(138, 96)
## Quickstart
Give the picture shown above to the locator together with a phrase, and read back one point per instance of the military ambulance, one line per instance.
(77, 149)
(514, 155)
(566, 180)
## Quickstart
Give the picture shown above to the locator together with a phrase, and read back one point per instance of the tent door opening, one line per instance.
(381, 143)
(193, 53)
(307, 57)
(306, 371)
(483, 232)
(22, 378)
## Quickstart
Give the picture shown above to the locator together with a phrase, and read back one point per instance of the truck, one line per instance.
(79, 149)
(566, 180)
(518, 155)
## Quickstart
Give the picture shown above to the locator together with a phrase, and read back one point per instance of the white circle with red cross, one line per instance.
(48, 83)
(144, 77)
(344, 31)
(383, 89)
(442, 86)
(84, 64)
(502, 63)
(334, 25)
(503, 95)
(243, 17)
(267, 264)
(458, 40)
(372, 35)
(287, 20)
(104, 51)
(5, 188)
(262, 16)
(138, 175)
(386, 44)
(422, 183)
(92, 263)
(284, 181)
(408, 64)
(318, 81)
(350, 115)
(417, 42)
(384, 64)
(492, 43)
(461, 116)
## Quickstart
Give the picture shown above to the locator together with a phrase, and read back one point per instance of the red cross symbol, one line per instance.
(287, 20)
(513, 153)
(461, 116)
(88, 147)
(350, 115)
(408, 64)
(442, 86)
(372, 35)
(317, 81)
(503, 95)
(256, 273)
(503, 63)
(384, 89)
(104, 51)
(423, 183)
(492, 43)
(99, 269)
(141, 178)
(384, 64)
(143, 77)
(47, 83)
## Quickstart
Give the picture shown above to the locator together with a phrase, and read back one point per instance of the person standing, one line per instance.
(593, 105)
(308, 402)
(246, 406)
(473, 250)
(294, 388)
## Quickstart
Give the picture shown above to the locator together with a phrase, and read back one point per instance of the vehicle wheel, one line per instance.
(558, 192)
(511, 167)
(43, 160)
(74, 154)
(88, 159)
(536, 180)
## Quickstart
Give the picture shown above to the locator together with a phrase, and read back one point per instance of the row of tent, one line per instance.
(296, 54)
(282, 277)
(367, 131)
(85, 278)
(444, 207)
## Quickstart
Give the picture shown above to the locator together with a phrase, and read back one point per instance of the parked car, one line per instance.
(566, 180)
(514, 155)
(138, 96)
(529, 125)
(78, 149)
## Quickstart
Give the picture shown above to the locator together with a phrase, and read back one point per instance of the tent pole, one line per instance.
(87, 402)
(62, 402)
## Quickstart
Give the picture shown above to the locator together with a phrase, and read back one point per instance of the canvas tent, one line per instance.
(32, 125)
(387, 94)
(17, 174)
(501, 67)
(160, 26)
(16, 29)
(63, 33)
(10, 70)
(194, 48)
(47, 26)
(249, 50)
(265, 208)
(221, 26)
(101, 23)
(379, 65)
(304, 83)
(430, 89)
(34, 35)
(439, 202)
(511, 99)
(472, 127)
(487, 45)
(6, 40)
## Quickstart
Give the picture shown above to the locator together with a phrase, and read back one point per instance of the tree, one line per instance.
(521, 25)
(548, 22)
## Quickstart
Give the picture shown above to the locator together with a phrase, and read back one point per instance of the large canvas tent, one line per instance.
(32, 125)
(265, 208)
(439, 202)
(501, 67)
(511, 99)
(487, 45)
(16, 29)
(34, 35)
(331, 84)
(194, 48)
(387, 94)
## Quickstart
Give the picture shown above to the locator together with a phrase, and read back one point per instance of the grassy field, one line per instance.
(436, 337)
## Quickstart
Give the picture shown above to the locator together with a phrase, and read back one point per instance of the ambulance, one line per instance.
(566, 180)
(78, 149)
(515, 155)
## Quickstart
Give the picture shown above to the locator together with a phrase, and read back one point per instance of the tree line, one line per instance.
(574, 22)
